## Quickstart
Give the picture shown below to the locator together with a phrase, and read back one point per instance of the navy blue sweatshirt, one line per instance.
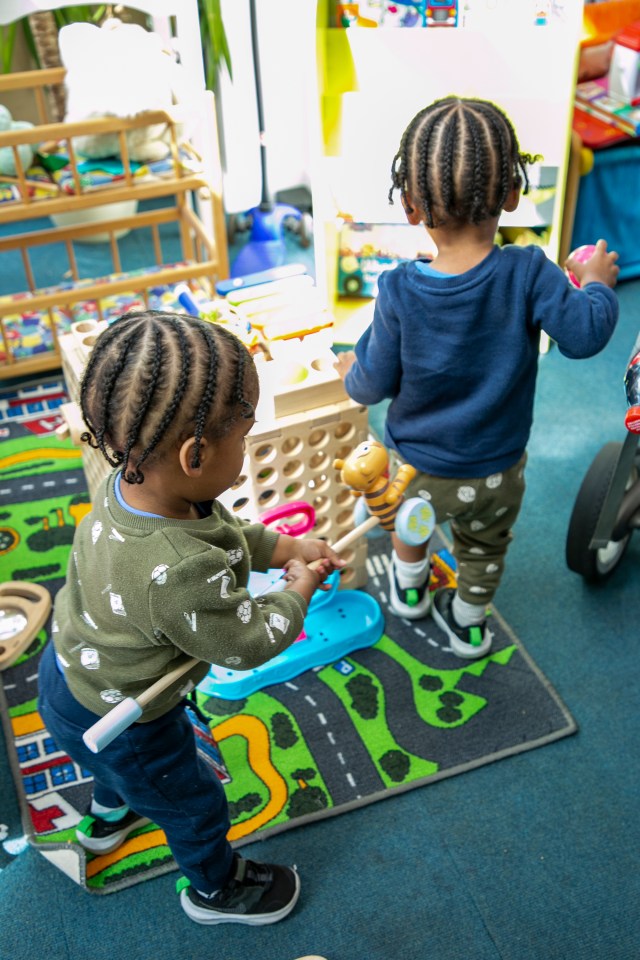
(458, 355)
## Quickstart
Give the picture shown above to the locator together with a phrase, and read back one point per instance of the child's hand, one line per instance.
(313, 550)
(303, 580)
(601, 267)
(344, 361)
(307, 551)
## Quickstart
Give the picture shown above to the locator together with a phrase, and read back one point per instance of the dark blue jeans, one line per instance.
(155, 769)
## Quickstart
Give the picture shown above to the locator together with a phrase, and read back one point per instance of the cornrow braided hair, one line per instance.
(154, 378)
(459, 159)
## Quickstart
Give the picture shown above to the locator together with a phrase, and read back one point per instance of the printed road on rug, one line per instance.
(397, 715)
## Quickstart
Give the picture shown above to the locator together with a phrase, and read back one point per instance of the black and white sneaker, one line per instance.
(411, 603)
(104, 836)
(257, 894)
(471, 643)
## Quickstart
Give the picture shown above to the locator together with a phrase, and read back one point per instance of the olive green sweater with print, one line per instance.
(143, 594)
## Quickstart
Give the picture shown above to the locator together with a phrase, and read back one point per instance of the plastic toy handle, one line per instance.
(293, 509)
(110, 726)
(126, 712)
(185, 298)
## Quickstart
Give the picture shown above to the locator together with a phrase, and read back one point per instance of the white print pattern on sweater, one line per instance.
(117, 605)
(90, 659)
(244, 611)
(111, 696)
(159, 573)
(279, 622)
(225, 579)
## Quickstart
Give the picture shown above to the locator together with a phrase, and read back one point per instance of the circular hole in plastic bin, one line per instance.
(348, 555)
(89, 342)
(344, 518)
(321, 526)
(321, 504)
(344, 430)
(347, 574)
(268, 498)
(321, 364)
(294, 491)
(318, 437)
(86, 326)
(293, 468)
(343, 497)
(239, 504)
(293, 373)
(343, 452)
(265, 453)
(238, 483)
(266, 475)
(319, 460)
(319, 483)
(291, 446)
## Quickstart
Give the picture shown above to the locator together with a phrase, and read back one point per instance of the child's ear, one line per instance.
(413, 215)
(512, 201)
(185, 456)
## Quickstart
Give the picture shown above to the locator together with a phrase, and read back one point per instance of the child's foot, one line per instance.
(258, 893)
(411, 603)
(468, 642)
(103, 836)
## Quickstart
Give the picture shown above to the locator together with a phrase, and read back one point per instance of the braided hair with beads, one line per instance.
(458, 160)
(156, 378)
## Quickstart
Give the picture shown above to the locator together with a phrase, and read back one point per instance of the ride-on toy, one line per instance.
(607, 507)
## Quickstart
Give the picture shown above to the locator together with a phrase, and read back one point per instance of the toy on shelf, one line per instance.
(14, 158)
(624, 69)
(365, 471)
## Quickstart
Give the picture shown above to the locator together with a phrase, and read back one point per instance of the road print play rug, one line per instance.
(398, 715)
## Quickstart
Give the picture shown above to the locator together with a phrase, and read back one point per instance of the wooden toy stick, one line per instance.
(107, 728)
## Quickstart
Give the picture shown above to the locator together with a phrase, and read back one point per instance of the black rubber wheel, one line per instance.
(596, 565)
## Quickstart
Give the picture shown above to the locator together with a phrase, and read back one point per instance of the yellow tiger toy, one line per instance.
(365, 472)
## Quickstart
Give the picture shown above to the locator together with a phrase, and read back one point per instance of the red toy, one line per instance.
(632, 388)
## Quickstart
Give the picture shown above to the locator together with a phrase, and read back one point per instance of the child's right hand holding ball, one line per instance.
(593, 265)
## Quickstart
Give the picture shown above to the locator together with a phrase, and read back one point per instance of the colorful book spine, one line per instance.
(593, 97)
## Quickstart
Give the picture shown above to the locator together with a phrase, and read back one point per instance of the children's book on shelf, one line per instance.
(368, 249)
(594, 132)
(593, 97)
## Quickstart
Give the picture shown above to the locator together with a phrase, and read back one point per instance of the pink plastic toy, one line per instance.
(581, 254)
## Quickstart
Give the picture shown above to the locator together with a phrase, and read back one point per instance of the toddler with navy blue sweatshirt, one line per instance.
(454, 343)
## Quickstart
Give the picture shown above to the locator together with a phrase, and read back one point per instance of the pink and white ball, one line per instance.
(581, 254)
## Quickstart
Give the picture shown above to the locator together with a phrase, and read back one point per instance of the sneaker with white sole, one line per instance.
(470, 643)
(410, 603)
(256, 894)
(104, 836)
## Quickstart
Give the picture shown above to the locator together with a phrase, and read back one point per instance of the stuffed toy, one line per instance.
(26, 151)
(119, 70)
